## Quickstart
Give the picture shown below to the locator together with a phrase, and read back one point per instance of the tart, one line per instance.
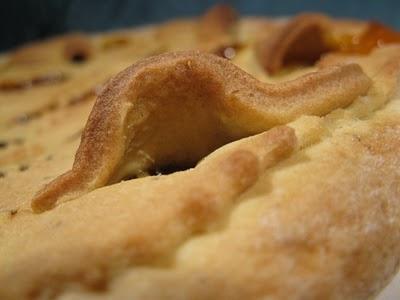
(218, 157)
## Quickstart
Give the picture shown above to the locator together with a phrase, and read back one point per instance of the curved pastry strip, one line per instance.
(178, 107)
(307, 36)
(301, 40)
(190, 202)
(217, 25)
(217, 31)
(212, 30)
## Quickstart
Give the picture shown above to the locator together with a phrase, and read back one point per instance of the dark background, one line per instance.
(25, 20)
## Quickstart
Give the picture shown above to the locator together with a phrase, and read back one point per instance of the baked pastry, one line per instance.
(222, 159)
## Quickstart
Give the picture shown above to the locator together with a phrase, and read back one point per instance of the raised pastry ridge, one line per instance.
(254, 219)
(217, 21)
(199, 205)
(302, 39)
(217, 26)
(308, 37)
(178, 107)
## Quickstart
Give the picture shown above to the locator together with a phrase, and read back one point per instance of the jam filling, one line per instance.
(376, 35)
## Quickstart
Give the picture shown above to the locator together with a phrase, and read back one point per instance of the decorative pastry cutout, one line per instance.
(176, 108)
(301, 40)
(217, 27)
(306, 37)
(214, 29)
(218, 20)
(3, 144)
(77, 48)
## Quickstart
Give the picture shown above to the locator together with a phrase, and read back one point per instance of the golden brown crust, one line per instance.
(200, 204)
(37, 80)
(220, 96)
(44, 63)
(302, 39)
(219, 19)
(306, 37)
(77, 48)
(304, 211)
(52, 50)
(217, 26)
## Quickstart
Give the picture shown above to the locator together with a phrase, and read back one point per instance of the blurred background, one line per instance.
(26, 20)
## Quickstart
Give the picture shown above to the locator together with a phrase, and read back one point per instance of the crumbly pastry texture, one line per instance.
(219, 157)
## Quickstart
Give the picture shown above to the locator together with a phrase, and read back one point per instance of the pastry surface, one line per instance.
(205, 158)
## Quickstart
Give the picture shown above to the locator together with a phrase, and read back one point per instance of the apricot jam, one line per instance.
(375, 35)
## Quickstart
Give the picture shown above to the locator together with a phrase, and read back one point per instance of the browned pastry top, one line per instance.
(306, 37)
(269, 170)
(123, 134)
(302, 39)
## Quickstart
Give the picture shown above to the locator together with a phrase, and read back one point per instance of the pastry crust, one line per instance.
(288, 187)
(226, 103)
(302, 39)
